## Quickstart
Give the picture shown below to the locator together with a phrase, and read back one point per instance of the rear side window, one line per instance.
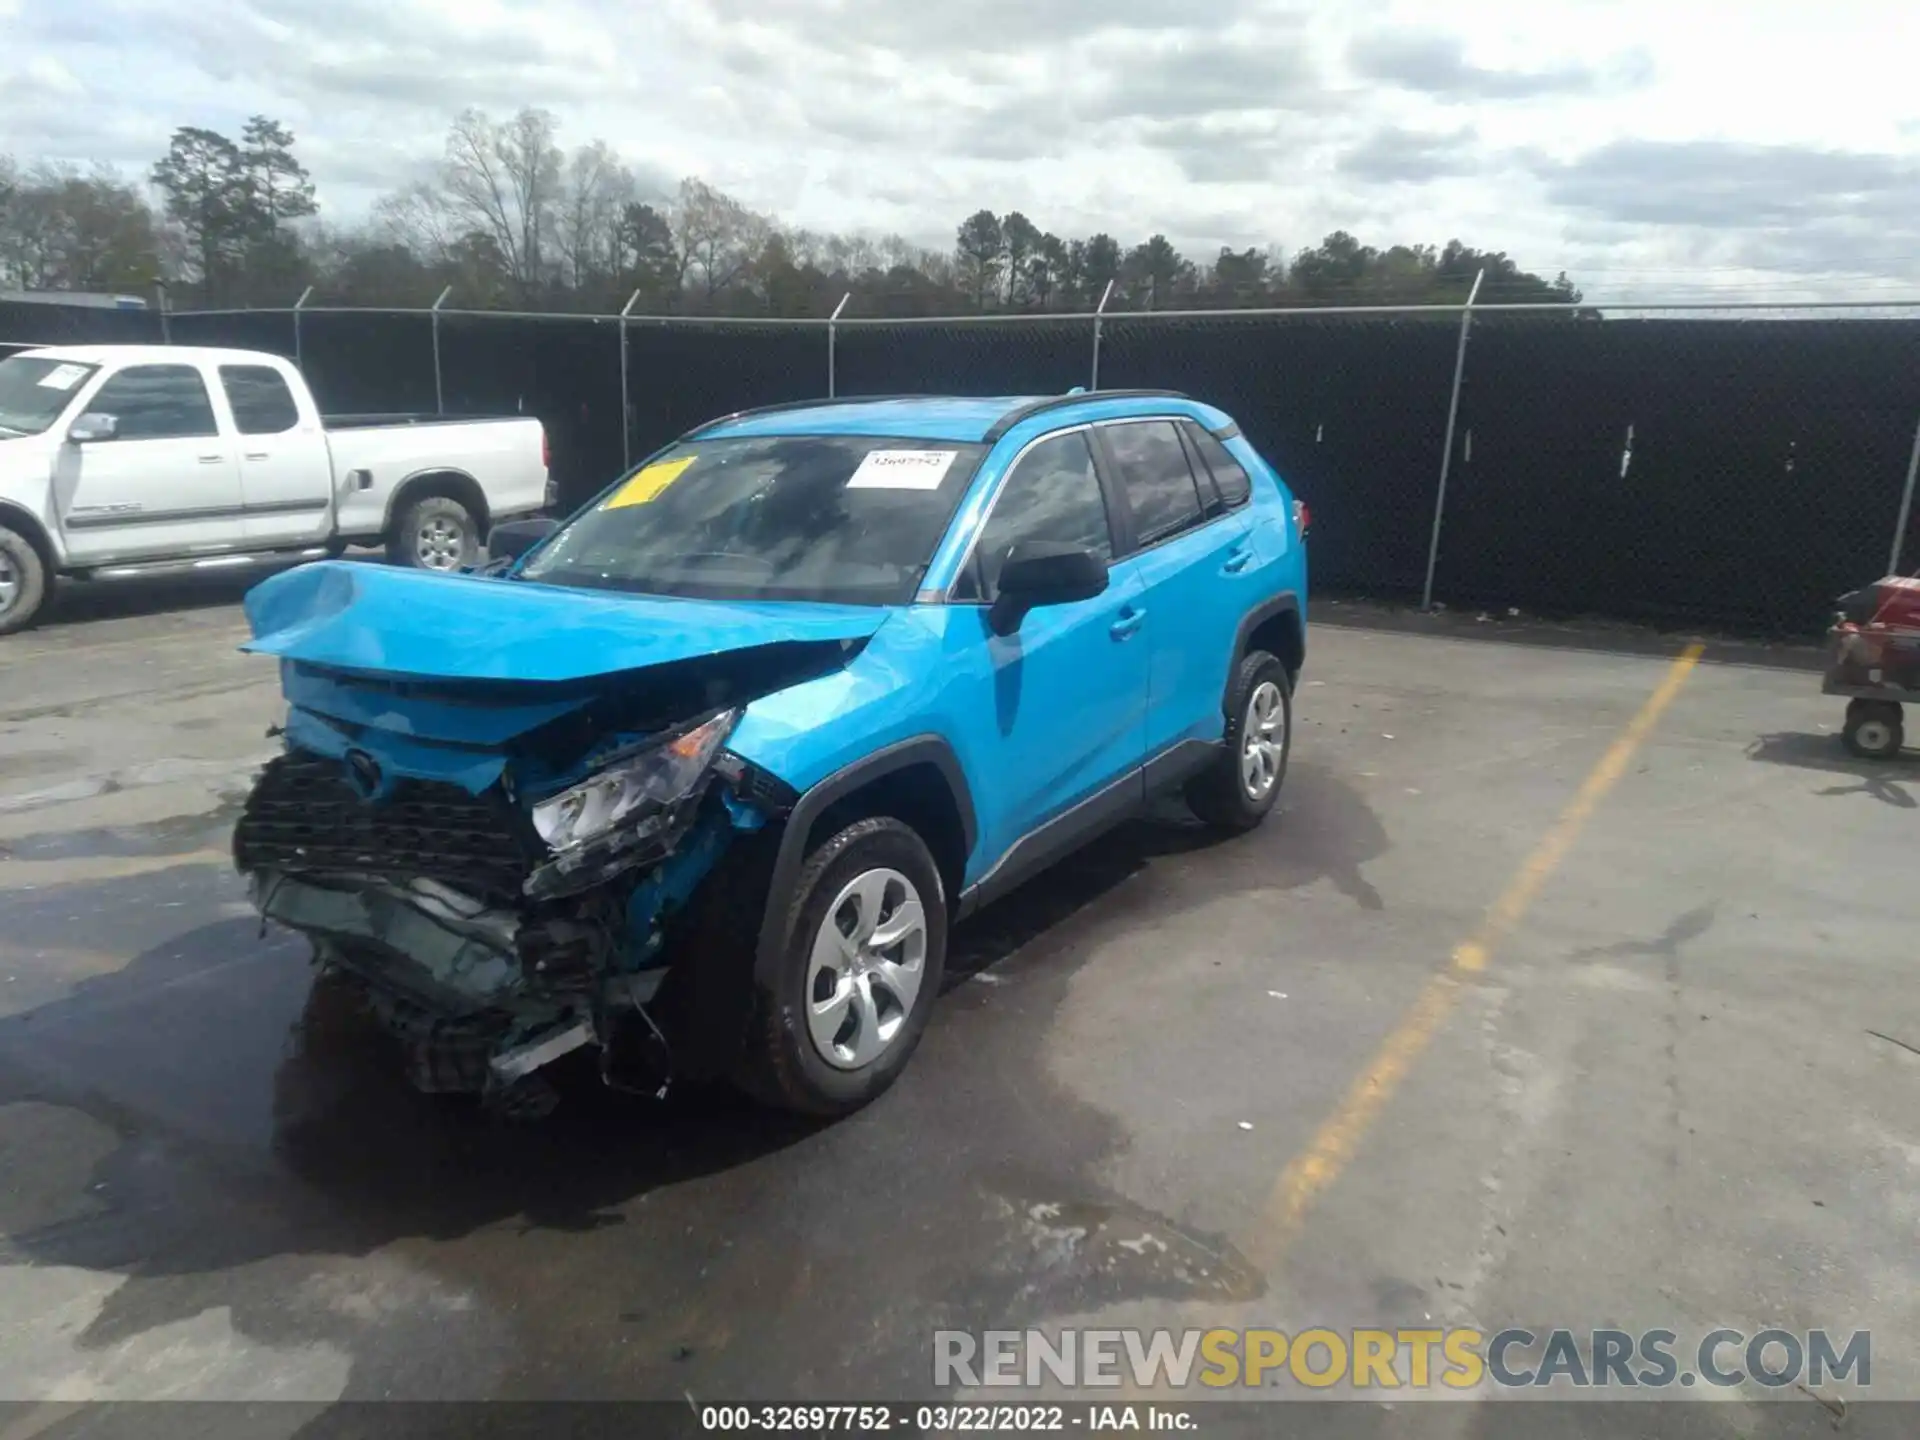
(157, 402)
(1229, 475)
(262, 403)
(1158, 481)
(1052, 494)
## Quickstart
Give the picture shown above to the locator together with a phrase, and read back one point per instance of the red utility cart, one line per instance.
(1875, 663)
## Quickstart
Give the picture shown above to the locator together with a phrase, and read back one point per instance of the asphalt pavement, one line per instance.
(1529, 1007)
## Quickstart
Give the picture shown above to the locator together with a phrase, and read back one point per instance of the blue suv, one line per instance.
(697, 781)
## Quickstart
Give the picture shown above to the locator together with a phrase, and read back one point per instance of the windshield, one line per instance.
(838, 518)
(34, 390)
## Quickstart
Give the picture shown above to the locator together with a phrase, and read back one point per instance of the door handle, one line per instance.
(1128, 624)
(213, 459)
(1238, 561)
(258, 455)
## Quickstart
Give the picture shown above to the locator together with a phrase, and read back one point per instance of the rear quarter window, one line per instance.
(1229, 475)
(262, 403)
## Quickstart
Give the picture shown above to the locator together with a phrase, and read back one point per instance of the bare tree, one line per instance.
(504, 181)
(421, 218)
(718, 237)
(591, 214)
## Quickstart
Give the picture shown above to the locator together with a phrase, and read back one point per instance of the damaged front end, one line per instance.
(501, 868)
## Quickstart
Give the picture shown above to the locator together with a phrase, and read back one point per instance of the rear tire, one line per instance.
(843, 1014)
(23, 581)
(436, 533)
(1235, 792)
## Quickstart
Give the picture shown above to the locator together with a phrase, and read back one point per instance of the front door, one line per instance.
(165, 484)
(1059, 707)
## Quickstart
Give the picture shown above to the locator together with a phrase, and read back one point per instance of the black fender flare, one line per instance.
(917, 750)
(1285, 603)
(457, 484)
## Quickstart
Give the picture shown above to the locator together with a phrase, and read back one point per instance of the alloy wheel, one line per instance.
(1263, 740)
(864, 972)
(441, 544)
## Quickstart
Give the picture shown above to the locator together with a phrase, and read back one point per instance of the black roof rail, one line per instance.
(1052, 402)
(814, 404)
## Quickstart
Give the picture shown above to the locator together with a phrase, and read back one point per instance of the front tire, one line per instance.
(435, 534)
(23, 581)
(861, 965)
(1235, 792)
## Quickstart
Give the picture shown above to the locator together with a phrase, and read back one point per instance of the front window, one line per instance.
(838, 518)
(1053, 494)
(35, 390)
(157, 402)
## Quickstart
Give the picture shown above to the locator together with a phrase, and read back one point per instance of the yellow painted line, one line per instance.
(85, 869)
(39, 1417)
(1310, 1173)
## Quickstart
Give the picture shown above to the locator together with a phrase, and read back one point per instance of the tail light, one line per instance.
(1302, 518)
(546, 450)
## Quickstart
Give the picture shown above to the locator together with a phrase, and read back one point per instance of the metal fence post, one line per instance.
(1906, 505)
(1099, 312)
(439, 397)
(1446, 454)
(626, 405)
(833, 339)
(298, 305)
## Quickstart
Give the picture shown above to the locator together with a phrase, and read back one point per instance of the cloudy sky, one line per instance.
(1646, 146)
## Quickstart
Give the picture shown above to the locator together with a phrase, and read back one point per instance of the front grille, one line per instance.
(305, 816)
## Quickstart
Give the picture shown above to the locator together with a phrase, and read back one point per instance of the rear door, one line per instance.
(1194, 559)
(165, 485)
(286, 473)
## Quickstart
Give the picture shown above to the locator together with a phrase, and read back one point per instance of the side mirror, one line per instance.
(94, 426)
(1044, 572)
(513, 538)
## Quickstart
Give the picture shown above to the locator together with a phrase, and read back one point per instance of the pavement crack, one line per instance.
(1913, 1049)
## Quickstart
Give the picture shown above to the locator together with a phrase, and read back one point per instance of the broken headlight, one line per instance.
(653, 780)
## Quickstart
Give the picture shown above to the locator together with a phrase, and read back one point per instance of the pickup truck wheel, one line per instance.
(434, 534)
(23, 582)
(1237, 790)
(865, 951)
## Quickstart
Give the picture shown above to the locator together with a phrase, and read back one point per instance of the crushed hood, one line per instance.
(375, 619)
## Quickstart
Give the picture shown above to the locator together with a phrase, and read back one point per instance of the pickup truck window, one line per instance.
(262, 403)
(34, 390)
(837, 518)
(157, 402)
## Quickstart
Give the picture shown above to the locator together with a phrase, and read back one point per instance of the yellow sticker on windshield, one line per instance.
(648, 484)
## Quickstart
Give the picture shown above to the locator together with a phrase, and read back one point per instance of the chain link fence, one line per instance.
(1735, 467)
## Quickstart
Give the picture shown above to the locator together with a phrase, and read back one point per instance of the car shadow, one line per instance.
(211, 1125)
(1882, 780)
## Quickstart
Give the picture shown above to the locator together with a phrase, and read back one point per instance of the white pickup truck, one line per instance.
(126, 460)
